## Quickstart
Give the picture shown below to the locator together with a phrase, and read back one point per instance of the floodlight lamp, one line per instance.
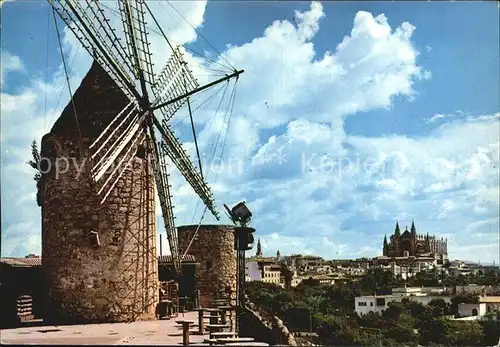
(241, 213)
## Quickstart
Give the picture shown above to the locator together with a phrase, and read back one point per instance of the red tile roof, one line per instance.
(27, 262)
(37, 261)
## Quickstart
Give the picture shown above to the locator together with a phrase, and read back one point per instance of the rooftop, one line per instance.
(490, 299)
(37, 261)
(262, 259)
(22, 262)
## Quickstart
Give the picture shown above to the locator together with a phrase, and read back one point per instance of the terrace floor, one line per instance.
(155, 332)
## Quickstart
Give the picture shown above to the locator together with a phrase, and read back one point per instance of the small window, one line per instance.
(209, 264)
(94, 238)
(371, 303)
(380, 302)
(141, 152)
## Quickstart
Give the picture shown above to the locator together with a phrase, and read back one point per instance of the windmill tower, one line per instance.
(105, 156)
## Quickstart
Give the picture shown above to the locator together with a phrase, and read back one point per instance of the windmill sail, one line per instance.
(128, 64)
(174, 81)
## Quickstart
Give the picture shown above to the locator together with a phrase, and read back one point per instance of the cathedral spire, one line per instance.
(413, 229)
(259, 249)
(397, 231)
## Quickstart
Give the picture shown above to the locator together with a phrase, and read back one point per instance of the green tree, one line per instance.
(334, 330)
(402, 333)
(439, 307)
(372, 320)
(433, 331)
(393, 311)
(491, 329)
(287, 275)
(464, 333)
(34, 163)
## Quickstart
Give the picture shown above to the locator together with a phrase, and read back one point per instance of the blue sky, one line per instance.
(409, 89)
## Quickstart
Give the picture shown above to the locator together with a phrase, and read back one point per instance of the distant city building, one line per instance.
(263, 269)
(421, 291)
(486, 305)
(411, 244)
(379, 303)
(271, 273)
(471, 310)
(252, 271)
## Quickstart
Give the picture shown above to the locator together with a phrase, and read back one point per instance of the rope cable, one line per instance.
(201, 35)
(230, 109)
(197, 107)
(158, 25)
(194, 235)
(227, 130)
(209, 126)
(214, 61)
(46, 71)
(62, 87)
(80, 144)
(170, 41)
(194, 134)
(220, 134)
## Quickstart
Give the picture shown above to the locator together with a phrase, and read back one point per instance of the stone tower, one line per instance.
(213, 248)
(99, 261)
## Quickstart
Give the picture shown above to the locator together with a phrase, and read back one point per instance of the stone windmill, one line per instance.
(98, 228)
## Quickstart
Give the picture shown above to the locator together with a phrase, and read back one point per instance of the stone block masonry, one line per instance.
(213, 248)
(114, 279)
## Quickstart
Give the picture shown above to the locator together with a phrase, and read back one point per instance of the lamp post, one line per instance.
(243, 241)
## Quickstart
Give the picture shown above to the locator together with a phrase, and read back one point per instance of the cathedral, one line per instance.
(410, 244)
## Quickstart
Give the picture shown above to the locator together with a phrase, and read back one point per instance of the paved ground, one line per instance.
(141, 333)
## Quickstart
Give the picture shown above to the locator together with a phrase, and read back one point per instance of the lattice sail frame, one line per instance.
(174, 80)
(128, 66)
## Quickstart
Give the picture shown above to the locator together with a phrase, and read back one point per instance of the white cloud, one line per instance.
(9, 63)
(439, 116)
(354, 188)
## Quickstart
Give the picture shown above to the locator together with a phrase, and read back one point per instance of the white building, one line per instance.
(492, 303)
(470, 289)
(378, 303)
(271, 273)
(264, 270)
(407, 291)
(471, 310)
(372, 303)
(252, 271)
(421, 291)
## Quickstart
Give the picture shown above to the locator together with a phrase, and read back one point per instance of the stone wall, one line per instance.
(17, 281)
(264, 327)
(117, 279)
(213, 249)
